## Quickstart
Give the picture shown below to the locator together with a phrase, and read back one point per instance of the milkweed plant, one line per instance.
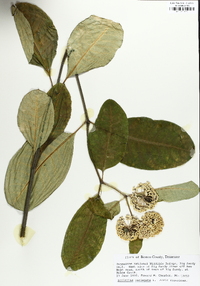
(138, 142)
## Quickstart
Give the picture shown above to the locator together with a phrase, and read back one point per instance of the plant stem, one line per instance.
(116, 189)
(36, 158)
(62, 65)
(127, 202)
(87, 120)
(33, 169)
(51, 80)
(48, 72)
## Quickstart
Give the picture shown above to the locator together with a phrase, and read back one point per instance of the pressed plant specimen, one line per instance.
(138, 142)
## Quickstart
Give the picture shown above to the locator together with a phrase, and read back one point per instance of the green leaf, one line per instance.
(93, 44)
(62, 108)
(37, 34)
(109, 210)
(107, 144)
(157, 144)
(25, 32)
(84, 238)
(17, 176)
(178, 192)
(36, 117)
(135, 246)
(97, 206)
(113, 208)
(51, 171)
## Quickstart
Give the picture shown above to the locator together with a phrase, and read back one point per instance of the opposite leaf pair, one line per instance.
(138, 142)
(42, 119)
(92, 43)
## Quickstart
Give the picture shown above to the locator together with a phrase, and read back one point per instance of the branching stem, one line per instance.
(88, 122)
(34, 165)
(114, 188)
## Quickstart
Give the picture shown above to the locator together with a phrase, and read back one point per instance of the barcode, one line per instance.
(182, 8)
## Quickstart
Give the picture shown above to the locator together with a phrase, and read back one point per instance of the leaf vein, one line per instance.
(90, 47)
(155, 143)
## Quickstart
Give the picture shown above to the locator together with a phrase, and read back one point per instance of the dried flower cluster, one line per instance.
(130, 228)
(151, 224)
(143, 197)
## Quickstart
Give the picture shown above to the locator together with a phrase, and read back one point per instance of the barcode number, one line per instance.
(182, 8)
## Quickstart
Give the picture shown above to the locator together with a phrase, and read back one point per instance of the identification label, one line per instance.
(183, 6)
(157, 270)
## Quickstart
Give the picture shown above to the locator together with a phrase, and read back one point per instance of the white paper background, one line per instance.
(154, 74)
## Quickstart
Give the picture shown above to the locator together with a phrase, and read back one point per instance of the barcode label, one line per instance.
(182, 6)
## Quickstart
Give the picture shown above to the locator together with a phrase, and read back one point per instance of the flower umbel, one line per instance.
(151, 224)
(128, 227)
(143, 197)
